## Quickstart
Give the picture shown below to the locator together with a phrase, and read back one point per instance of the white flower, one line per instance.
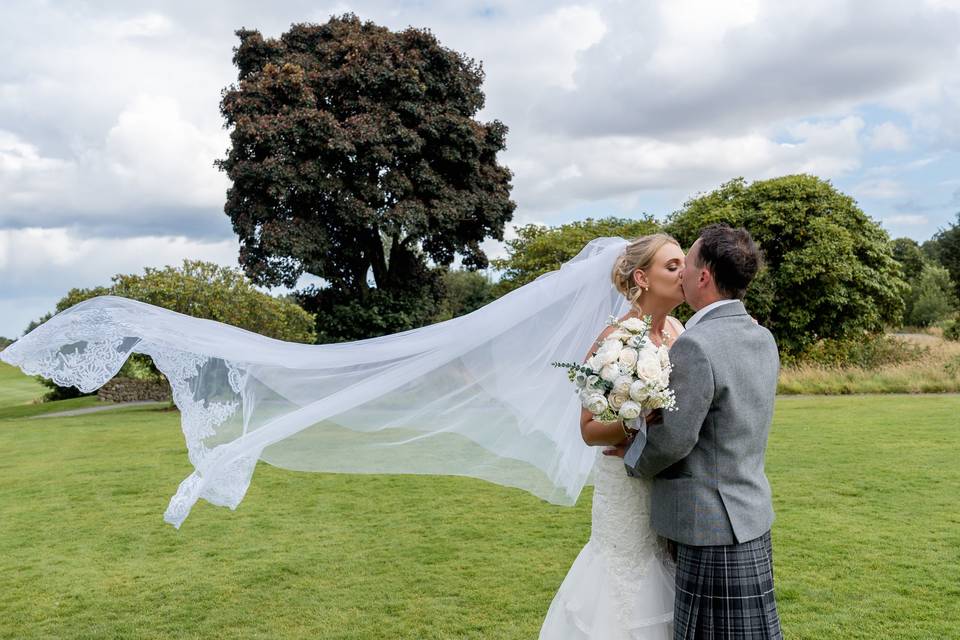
(593, 381)
(664, 354)
(620, 335)
(648, 365)
(610, 372)
(622, 384)
(596, 362)
(656, 402)
(638, 391)
(580, 379)
(629, 410)
(617, 400)
(634, 325)
(610, 350)
(595, 404)
(635, 342)
(628, 357)
(664, 379)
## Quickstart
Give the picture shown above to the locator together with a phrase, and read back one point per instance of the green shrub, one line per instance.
(830, 271)
(931, 298)
(867, 352)
(952, 330)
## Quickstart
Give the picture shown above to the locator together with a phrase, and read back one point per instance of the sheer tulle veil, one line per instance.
(473, 396)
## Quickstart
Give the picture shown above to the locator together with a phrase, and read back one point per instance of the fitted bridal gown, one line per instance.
(621, 586)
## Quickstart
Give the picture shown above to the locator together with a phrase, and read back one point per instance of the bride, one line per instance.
(473, 396)
(621, 585)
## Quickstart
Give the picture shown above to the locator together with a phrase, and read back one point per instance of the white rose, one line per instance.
(634, 325)
(630, 410)
(655, 402)
(610, 372)
(664, 354)
(648, 365)
(639, 391)
(622, 384)
(610, 350)
(595, 404)
(628, 357)
(596, 362)
(617, 399)
(620, 335)
(664, 379)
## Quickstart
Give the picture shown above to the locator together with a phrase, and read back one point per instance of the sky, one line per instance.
(110, 123)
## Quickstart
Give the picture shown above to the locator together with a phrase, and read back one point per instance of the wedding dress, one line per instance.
(621, 585)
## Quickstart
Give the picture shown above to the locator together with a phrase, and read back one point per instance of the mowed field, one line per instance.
(867, 537)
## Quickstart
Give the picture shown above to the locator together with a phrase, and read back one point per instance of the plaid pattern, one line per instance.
(726, 592)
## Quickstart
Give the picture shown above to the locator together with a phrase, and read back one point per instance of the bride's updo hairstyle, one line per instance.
(637, 255)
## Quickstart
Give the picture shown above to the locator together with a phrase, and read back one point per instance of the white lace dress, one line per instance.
(621, 586)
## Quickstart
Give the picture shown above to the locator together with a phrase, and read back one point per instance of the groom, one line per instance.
(710, 494)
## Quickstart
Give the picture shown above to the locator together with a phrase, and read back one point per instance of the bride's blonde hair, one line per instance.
(637, 255)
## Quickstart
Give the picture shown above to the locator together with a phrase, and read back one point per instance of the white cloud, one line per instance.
(879, 188)
(556, 171)
(157, 154)
(35, 260)
(148, 25)
(906, 220)
(889, 136)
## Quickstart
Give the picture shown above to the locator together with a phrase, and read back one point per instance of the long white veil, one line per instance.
(473, 396)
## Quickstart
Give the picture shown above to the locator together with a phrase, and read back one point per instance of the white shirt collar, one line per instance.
(698, 316)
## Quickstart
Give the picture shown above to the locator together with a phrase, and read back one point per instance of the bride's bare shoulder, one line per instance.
(676, 325)
(596, 343)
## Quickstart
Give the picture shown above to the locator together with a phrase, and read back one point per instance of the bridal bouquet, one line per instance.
(625, 376)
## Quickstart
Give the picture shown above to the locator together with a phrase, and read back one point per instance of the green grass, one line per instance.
(16, 388)
(867, 540)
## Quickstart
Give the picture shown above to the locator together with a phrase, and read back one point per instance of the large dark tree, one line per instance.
(356, 157)
(830, 268)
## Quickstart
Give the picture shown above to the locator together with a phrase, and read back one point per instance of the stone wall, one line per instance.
(130, 390)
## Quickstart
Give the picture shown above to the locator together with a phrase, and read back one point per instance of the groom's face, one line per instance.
(691, 275)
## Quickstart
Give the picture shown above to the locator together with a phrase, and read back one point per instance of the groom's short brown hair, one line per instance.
(732, 258)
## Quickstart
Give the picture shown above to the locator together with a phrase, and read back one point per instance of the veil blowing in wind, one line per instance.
(473, 396)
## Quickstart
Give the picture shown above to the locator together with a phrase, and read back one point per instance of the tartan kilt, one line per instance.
(726, 592)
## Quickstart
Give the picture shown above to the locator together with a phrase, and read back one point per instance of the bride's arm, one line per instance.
(601, 433)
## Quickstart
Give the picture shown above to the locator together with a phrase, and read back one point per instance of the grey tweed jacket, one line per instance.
(707, 457)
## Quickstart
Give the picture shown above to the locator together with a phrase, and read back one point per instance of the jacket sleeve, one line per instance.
(671, 441)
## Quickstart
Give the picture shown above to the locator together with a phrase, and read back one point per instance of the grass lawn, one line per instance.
(16, 388)
(867, 538)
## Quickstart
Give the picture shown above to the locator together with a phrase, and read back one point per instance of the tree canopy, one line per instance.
(208, 290)
(944, 247)
(356, 157)
(538, 249)
(830, 271)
